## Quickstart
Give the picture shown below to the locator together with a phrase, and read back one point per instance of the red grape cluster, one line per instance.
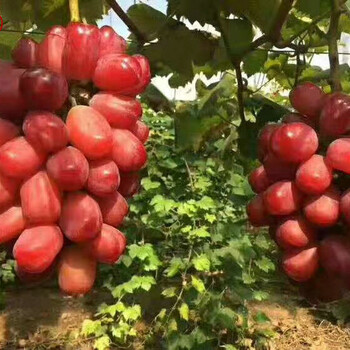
(303, 190)
(65, 169)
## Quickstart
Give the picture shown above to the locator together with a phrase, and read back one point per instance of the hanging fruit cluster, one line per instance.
(303, 190)
(66, 168)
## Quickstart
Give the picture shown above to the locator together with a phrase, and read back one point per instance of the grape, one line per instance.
(24, 54)
(76, 271)
(141, 131)
(68, 168)
(307, 99)
(294, 232)
(121, 112)
(145, 75)
(128, 151)
(264, 140)
(296, 117)
(37, 247)
(19, 159)
(50, 50)
(12, 223)
(89, 132)
(314, 176)
(81, 51)
(46, 131)
(108, 246)
(259, 180)
(43, 89)
(338, 155)
(323, 210)
(301, 264)
(8, 131)
(278, 170)
(81, 217)
(103, 178)
(111, 42)
(345, 206)
(8, 191)
(114, 208)
(129, 184)
(257, 213)
(282, 198)
(335, 116)
(294, 142)
(41, 199)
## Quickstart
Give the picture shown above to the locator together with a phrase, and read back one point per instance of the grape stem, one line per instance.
(74, 10)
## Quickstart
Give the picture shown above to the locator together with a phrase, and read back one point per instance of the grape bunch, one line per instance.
(71, 148)
(303, 191)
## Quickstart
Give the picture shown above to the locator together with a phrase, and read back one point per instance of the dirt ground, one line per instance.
(41, 318)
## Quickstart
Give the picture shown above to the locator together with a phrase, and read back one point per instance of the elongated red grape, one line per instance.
(294, 142)
(141, 131)
(295, 232)
(68, 168)
(37, 248)
(76, 271)
(338, 155)
(8, 131)
(46, 131)
(314, 176)
(25, 52)
(278, 170)
(345, 206)
(307, 99)
(81, 217)
(145, 78)
(89, 132)
(12, 223)
(298, 118)
(111, 42)
(103, 178)
(50, 50)
(121, 112)
(81, 51)
(129, 184)
(114, 208)
(41, 199)
(301, 264)
(128, 151)
(324, 209)
(282, 198)
(19, 159)
(108, 246)
(264, 140)
(8, 190)
(258, 180)
(256, 211)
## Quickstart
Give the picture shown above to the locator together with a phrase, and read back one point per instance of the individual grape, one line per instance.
(41, 199)
(76, 271)
(294, 232)
(50, 50)
(301, 264)
(8, 191)
(145, 75)
(323, 210)
(264, 139)
(46, 131)
(278, 170)
(12, 223)
(121, 112)
(307, 99)
(129, 184)
(141, 131)
(258, 179)
(81, 217)
(297, 118)
(114, 208)
(108, 246)
(8, 131)
(282, 198)
(37, 247)
(294, 142)
(111, 42)
(128, 151)
(345, 206)
(257, 213)
(68, 168)
(314, 176)
(19, 159)
(338, 155)
(89, 132)
(103, 178)
(24, 54)
(81, 51)
(43, 89)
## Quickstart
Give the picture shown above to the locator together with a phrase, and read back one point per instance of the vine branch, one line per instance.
(240, 90)
(74, 10)
(283, 11)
